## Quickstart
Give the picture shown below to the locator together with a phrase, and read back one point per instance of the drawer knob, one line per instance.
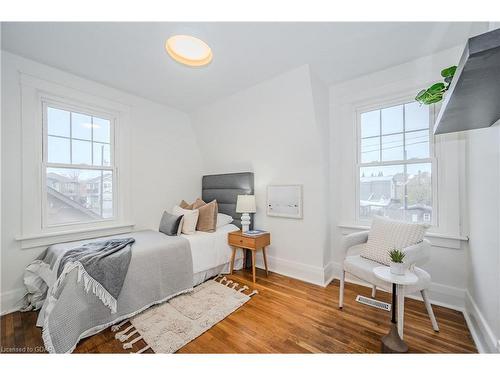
(241, 241)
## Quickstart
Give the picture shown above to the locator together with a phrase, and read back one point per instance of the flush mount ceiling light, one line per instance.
(188, 50)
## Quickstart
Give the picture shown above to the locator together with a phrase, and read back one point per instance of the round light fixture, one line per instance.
(188, 50)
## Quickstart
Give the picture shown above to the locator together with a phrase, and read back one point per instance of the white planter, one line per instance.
(398, 268)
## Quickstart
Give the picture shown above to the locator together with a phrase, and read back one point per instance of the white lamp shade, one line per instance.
(246, 204)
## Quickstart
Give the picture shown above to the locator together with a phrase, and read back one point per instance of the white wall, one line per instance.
(483, 186)
(277, 129)
(1, 157)
(448, 264)
(166, 164)
(320, 96)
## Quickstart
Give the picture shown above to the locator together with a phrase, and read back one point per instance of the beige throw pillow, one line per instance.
(198, 203)
(207, 220)
(190, 219)
(185, 205)
(386, 234)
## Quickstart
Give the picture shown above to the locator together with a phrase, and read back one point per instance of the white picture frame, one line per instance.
(284, 201)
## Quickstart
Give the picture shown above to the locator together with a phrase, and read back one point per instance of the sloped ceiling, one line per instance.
(131, 56)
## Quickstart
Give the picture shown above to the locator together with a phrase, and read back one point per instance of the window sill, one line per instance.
(50, 238)
(437, 239)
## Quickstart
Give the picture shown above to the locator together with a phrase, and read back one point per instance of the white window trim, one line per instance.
(68, 105)
(377, 105)
(33, 92)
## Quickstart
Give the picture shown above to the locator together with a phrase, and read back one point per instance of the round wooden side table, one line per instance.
(393, 341)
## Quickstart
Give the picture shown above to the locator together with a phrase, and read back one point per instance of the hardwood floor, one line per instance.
(287, 316)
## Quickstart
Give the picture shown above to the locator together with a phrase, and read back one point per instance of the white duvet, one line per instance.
(211, 250)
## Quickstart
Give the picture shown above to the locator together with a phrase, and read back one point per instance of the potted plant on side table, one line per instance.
(398, 267)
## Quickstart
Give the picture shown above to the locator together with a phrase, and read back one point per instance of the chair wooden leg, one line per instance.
(428, 306)
(401, 309)
(374, 291)
(341, 291)
(265, 260)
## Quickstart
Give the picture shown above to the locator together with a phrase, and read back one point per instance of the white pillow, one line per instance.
(386, 234)
(223, 219)
(179, 231)
(190, 219)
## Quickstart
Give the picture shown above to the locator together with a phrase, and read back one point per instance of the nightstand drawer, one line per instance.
(240, 241)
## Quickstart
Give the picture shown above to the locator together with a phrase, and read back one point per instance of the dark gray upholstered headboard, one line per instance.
(225, 188)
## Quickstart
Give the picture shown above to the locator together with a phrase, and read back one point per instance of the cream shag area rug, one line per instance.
(169, 326)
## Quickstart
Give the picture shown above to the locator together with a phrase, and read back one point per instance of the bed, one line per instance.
(211, 253)
(161, 267)
(225, 188)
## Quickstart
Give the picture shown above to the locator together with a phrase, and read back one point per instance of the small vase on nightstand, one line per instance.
(397, 268)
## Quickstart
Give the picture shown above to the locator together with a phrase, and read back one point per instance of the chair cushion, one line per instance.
(386, 235)
(362, 268)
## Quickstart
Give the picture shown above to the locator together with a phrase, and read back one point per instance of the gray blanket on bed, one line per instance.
(105, 265)
(160, 268)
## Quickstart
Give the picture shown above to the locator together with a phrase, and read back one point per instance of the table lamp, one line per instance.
(245, 205)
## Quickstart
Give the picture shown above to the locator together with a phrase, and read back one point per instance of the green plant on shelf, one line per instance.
(435, 93)
(396, 255)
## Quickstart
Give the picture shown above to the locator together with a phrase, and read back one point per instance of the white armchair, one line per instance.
(362, 268)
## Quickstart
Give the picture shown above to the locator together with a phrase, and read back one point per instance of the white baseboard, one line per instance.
(439, 294)
(484, 337)
(9, 301)
(331, 270)
(296, 270)
(446, 296)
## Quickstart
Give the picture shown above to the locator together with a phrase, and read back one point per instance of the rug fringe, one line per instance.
(235, 285)
(122, 334)
(143, 349)
(128, 345)
(116, 327)
(125, 338)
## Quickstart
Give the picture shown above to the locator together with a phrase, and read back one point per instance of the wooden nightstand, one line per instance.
(238, 240)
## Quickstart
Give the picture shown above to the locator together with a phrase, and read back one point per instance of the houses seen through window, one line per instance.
(395, 164)
(78, 166)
